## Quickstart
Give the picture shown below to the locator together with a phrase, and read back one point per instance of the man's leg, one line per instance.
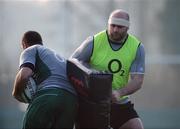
(134, 123)
(37, 117)
(124, 116)
(52, 108)
(65, 118)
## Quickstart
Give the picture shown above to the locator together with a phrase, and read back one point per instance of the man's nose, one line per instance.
(116, 29)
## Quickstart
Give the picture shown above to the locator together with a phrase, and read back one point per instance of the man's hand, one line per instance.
(115, 96)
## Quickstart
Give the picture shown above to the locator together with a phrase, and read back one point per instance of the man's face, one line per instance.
(117, 32)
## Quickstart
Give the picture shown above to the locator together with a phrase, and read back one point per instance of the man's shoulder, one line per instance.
(89, 40)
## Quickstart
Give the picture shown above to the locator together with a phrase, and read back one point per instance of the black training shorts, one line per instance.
(121, 113)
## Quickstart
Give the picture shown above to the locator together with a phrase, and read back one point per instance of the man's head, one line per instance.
(31, 38)
(118, 25)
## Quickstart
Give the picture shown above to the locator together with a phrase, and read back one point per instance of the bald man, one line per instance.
(122, 54)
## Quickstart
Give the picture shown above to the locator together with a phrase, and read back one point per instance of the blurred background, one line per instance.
(64, 24)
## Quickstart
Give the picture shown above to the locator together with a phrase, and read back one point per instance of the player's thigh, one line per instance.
(38, 116)
(134, 123)
(66, 118)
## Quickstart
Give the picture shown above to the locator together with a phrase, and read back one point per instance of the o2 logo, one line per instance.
(115, 63)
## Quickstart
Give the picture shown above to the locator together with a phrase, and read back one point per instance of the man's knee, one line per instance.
(134, 123)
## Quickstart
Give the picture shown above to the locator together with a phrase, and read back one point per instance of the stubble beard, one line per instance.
(117, 36)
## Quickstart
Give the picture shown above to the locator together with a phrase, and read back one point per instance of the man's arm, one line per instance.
(137, 76)
(20, 82)
(133, 86)
(84, 52)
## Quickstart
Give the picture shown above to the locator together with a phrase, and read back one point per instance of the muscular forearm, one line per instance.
(133, 86)
(20, 82)
(130, 88)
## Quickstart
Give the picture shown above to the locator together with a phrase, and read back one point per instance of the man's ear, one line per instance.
(24, 45)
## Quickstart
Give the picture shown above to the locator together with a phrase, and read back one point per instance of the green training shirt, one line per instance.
(118, 61)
